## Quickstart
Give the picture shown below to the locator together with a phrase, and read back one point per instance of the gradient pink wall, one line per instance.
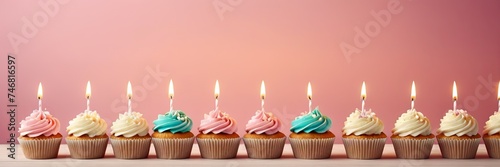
(285, 43)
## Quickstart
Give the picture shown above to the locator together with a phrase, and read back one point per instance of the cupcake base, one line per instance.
(218, 146)
(312, 145)
(364, 146)
(492, 143)
(458, 147)
(410, 147)
(85, 147)
(42, 147)
(264, 146)
(136, 147)
(173, 146)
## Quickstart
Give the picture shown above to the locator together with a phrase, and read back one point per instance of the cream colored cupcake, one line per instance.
(362, 135)
(129, 136)
(457, 135)
(87, 137)
(412, 137)
(491, 135)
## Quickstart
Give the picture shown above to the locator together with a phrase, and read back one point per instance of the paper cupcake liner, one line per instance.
(264, 148)
(458, 149)
(413, 148)
(370, 148)
(131, 148)
(492, 147)
(312, 148)
(87, 148)
(218, 148)
(40, 148)
(176, 148)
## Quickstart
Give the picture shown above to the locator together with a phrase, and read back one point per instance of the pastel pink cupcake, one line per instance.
(263, 139)
(218, 138)
(39, 135)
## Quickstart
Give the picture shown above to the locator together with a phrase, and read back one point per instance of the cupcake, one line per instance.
(87, 137)
(491, 136)
(411, 136)
(263, 139)
(218, 138)
(362, 135)
(129, 136)
(39, 135)
(172, 137)
(310, 137)
(457, 135)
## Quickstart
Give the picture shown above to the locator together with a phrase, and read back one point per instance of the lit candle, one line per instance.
(455, 96)
(217, 92)
(413, 95)
(262, 94)
(363, 98)
(87, 95)
(129, 96)
(498, 97)
(309, 95)
(171, 94)
(40, 96)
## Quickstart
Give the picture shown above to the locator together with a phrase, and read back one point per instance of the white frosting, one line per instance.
(493, 124)
(368, 124)
(458, 123)
(130, 124)
(89, 123)
(412, 123)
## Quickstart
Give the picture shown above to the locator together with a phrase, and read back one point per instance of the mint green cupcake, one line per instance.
(172, 137)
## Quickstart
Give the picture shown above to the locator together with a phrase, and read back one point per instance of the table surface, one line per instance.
(338, 158)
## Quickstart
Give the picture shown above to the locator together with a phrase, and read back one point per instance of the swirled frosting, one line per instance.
(217, 122)
(359, 124)
(492, 125)
(312, 121)
(458, 123)
(173, 121)
(130, 124)
(263, 122)
(39, 123)
(412, 123)
(87, 123)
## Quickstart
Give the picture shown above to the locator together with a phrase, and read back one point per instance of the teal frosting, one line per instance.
(173, 121)
(313, 121)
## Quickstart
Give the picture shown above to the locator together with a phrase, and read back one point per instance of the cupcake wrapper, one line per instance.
(264, 148)
(218, 148)
(493, 147)
(87, 149)
(131, 148)
(312, 148)
(413, 148)
(458, 149)
(364, 148)
(178, 148)
(40, 148)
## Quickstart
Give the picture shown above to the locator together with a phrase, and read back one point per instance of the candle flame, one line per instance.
(363, 91)
(262, 90)
(217, 91)
(455, 94)
(40, 91)
(129, 90)
(87, 91)
(171, 89)
(413, 91)
(309, 91)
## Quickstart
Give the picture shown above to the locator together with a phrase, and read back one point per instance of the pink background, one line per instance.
(285, 43)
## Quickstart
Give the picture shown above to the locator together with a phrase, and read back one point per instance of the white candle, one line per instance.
(40, 96)
(87, 95)
(129, 96)
(217, 92)
(262, 94)
(171, 94)
(309, 95)
(455, 96)
(498, 97)
(363, 98)
(413, 95)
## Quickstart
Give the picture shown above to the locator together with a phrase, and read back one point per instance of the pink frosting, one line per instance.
(263, 122)
(217, 122)
(39, 123)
